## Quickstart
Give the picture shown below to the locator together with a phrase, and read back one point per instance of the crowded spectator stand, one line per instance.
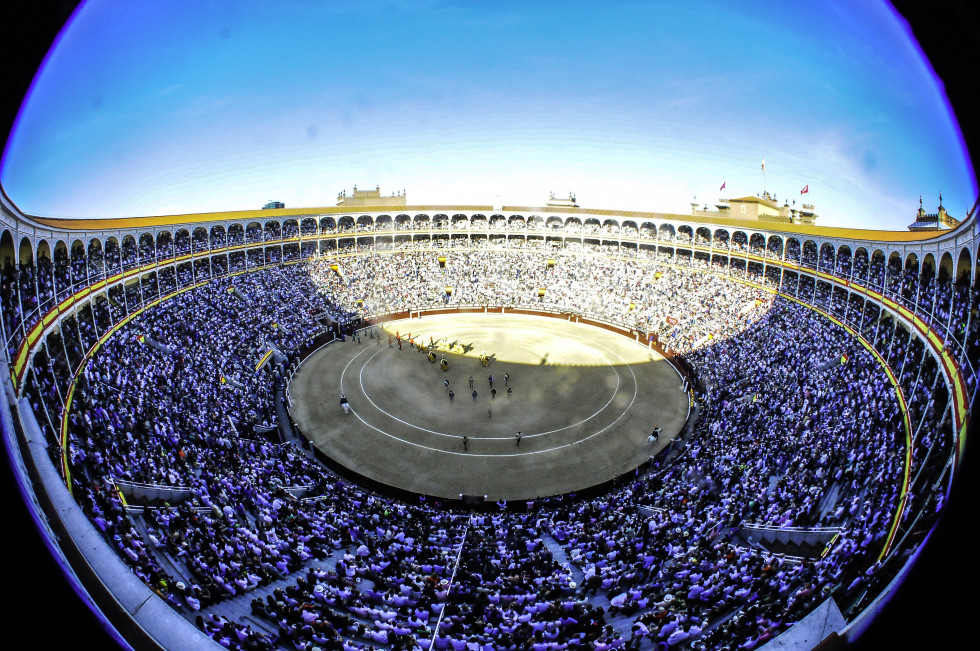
(836, 391)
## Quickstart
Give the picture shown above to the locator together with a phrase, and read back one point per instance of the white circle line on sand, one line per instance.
(514, 454)
(492, 438)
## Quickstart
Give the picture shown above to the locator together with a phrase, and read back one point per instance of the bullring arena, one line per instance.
(812, 386)
(584, 399)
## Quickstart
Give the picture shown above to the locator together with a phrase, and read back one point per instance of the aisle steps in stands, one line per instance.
(286, 430)
(172, 567)
(648, 511)
(259, 625)
(237, 294)
(792, 541)
(558, 552)
(622, 624)
(156, 345)
(829, 501)
(239, 607)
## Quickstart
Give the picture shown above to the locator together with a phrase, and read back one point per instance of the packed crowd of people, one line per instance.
(643, 296)
(800, 428)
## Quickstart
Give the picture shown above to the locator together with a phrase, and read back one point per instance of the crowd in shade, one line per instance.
(800, 427)
(683, 307)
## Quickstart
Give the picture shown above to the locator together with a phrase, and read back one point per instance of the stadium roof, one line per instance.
(253, 215)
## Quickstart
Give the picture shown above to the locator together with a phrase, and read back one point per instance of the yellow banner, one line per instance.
(265, 358)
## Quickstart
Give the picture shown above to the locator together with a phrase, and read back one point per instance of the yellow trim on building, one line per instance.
(123, 223)
(862, 234)
(136, 223)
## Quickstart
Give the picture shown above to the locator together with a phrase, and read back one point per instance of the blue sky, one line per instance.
(183, 106)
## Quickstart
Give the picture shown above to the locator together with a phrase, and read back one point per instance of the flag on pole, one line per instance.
(763, 164)
(805, 189)
(722, 186)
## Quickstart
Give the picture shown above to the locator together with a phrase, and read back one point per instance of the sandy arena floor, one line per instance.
(585, 400)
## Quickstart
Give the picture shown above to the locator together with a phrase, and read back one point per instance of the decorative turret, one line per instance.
(561, 202)
(371, 198)
(762, 207)
(938, 221)
(805, 215)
